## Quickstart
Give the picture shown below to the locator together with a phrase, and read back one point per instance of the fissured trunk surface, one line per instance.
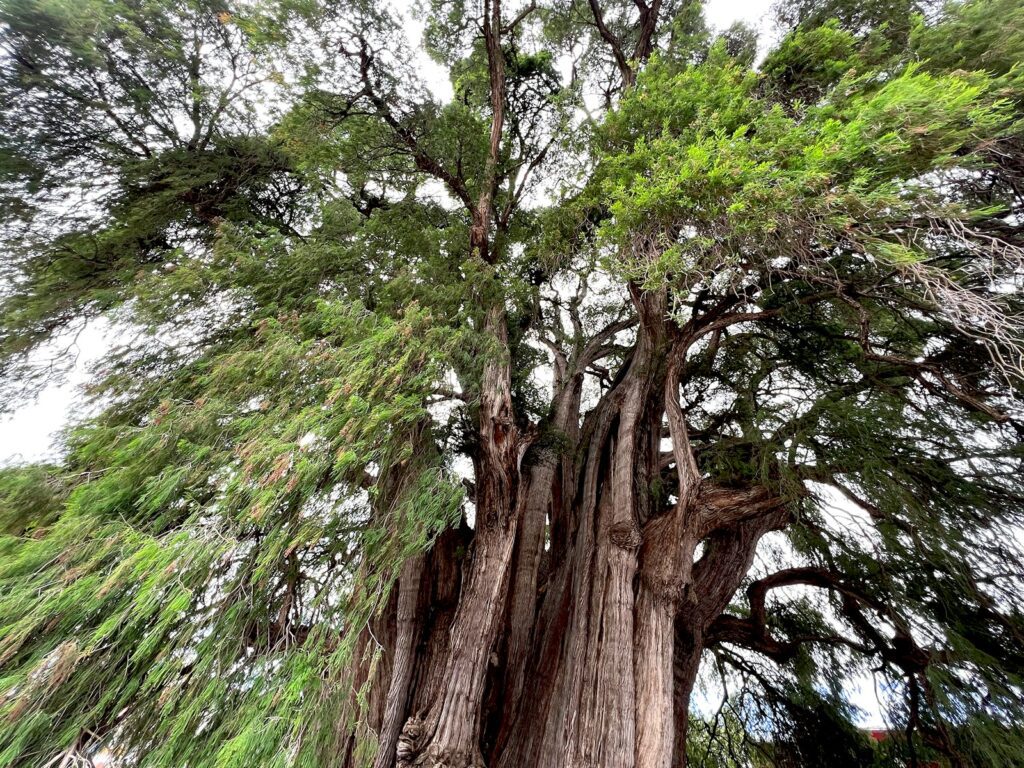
(567, 631)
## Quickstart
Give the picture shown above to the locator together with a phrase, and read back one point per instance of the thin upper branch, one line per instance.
(483, 211)
(423, 159)
(628, 75)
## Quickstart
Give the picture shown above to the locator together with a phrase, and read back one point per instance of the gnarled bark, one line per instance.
(591, 662)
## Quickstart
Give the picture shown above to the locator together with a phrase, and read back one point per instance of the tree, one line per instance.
(465, 432)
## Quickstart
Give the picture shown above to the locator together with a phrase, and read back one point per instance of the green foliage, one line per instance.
(191, 581)
(811, 59)
(31, 498)
(131, 131)
(891, 19)
(170, 564)
(736, 175)
(967, 38)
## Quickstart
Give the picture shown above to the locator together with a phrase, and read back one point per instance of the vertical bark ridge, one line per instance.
(439, 596)
(653, 658)
(407, 621)
(716, 577)
(667, 557)
(542, 488)
(523, 590)
(372, 672)
(450, 733)
(687, 652)
(584, 711)
(453, 724)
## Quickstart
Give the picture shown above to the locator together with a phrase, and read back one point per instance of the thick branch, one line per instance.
(752, 632)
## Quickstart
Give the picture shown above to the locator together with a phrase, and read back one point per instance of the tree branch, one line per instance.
(628, 76)
(424, 161)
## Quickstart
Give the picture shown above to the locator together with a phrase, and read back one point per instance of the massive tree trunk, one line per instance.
(581, 610)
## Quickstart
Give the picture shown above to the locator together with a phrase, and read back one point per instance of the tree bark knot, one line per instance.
(408, 742)
(624, 535)
(410, 752)
(442, 758)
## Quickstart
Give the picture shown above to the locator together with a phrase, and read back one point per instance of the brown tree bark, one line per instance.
(591, 659)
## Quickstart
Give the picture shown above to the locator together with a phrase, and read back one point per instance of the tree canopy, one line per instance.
(487, 428)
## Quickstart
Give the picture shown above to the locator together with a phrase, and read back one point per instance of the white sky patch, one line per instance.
(31, 433)
(310, 441)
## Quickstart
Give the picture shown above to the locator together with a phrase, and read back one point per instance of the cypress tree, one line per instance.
(512, 427)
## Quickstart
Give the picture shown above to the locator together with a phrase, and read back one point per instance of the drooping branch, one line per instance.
(921, 370)
(753, 632)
